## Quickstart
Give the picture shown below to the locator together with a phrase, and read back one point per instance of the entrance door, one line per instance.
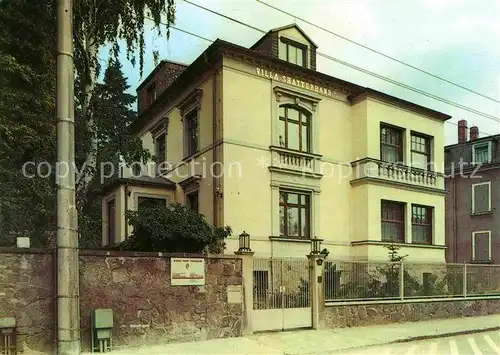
(281, 294)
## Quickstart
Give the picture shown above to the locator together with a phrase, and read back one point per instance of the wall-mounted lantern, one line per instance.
(244, 242)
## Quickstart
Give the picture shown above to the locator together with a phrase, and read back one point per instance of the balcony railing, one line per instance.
(373, 168)
(294, 160)
(406, 173)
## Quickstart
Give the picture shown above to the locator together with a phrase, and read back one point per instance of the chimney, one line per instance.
(474, 133)
(462, 131)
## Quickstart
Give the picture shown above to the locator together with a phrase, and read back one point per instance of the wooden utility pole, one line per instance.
(68, 320)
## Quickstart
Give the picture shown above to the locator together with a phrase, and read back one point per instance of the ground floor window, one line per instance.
(481, 246)
(192, 201)
(393, 221)
(144, 202)
(421, 224)
(111, 221)
(294, 214)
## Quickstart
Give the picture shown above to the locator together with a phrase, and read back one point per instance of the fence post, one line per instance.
(465, 280)
(247, 281)
(401, 280)
(316, 290)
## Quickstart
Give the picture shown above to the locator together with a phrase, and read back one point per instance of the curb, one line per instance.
(445, 335)
(409, 339)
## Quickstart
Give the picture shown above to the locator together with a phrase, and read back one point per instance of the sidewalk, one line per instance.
(326, 340)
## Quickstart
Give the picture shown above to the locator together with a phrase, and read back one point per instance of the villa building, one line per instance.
(258, 139)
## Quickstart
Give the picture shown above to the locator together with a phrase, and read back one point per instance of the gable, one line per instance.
(294, 34)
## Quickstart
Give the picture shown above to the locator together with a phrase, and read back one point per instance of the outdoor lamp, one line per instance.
(315, 245)
(244, 242)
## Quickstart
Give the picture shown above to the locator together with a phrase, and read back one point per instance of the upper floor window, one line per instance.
(421, 224)
(420, 151)
(294, 214)
(481, 197)
(294, 128)
(391, 144)
(393, 221)
(191, 132)
(293, 52)
(481, 153)
(161, 148)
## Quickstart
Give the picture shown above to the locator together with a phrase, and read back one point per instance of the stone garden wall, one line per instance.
(384, 313)
(27, 294)
(148, 310)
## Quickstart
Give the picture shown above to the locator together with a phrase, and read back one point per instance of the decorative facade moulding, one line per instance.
(190, 183)
(297, 97)
(160, 127)
(192, 101)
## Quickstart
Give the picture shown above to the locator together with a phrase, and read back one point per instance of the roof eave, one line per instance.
(368, 92)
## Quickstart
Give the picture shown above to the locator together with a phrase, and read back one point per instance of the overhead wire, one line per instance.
(408, 65)
(365, 71)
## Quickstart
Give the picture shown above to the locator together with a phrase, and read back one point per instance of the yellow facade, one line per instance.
(341, 173)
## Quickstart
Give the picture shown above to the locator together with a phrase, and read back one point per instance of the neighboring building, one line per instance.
(298, 154)
(473, 201)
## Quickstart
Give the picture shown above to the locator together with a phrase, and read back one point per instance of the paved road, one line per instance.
(487, 343)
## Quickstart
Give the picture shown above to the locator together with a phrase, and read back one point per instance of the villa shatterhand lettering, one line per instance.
(293, 81)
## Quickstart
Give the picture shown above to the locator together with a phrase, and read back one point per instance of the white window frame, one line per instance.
(489, 195)
(474, 244)
(478, 145)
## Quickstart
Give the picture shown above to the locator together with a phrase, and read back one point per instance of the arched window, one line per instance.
(294, 128)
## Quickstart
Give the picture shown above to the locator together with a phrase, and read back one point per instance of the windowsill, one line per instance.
(289, 239)
(481, 261)
(293, 151)
(409, 245)
(481, 213)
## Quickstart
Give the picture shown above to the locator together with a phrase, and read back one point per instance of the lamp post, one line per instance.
(246, 255)
(244, 242)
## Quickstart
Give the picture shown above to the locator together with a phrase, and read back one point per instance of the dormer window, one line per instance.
(293, 52)
(481, 153)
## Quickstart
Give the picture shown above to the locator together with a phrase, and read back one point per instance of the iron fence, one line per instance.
(369, 280)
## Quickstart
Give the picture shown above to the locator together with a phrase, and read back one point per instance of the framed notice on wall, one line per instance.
(187, 271)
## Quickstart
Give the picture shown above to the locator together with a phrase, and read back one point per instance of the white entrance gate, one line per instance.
(281, 297)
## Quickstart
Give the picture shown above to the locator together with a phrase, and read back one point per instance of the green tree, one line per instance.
(97, 24)
(27, 118)
(27, 102)
(172, 229)
(114, 140)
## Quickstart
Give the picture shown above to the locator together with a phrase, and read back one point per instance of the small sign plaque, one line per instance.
(234, 294)
(187, 271)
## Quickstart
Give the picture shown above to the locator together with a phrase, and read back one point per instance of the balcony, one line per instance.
(295, 162)
(376, 170)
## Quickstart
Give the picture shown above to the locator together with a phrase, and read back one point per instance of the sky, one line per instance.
(454, 39)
